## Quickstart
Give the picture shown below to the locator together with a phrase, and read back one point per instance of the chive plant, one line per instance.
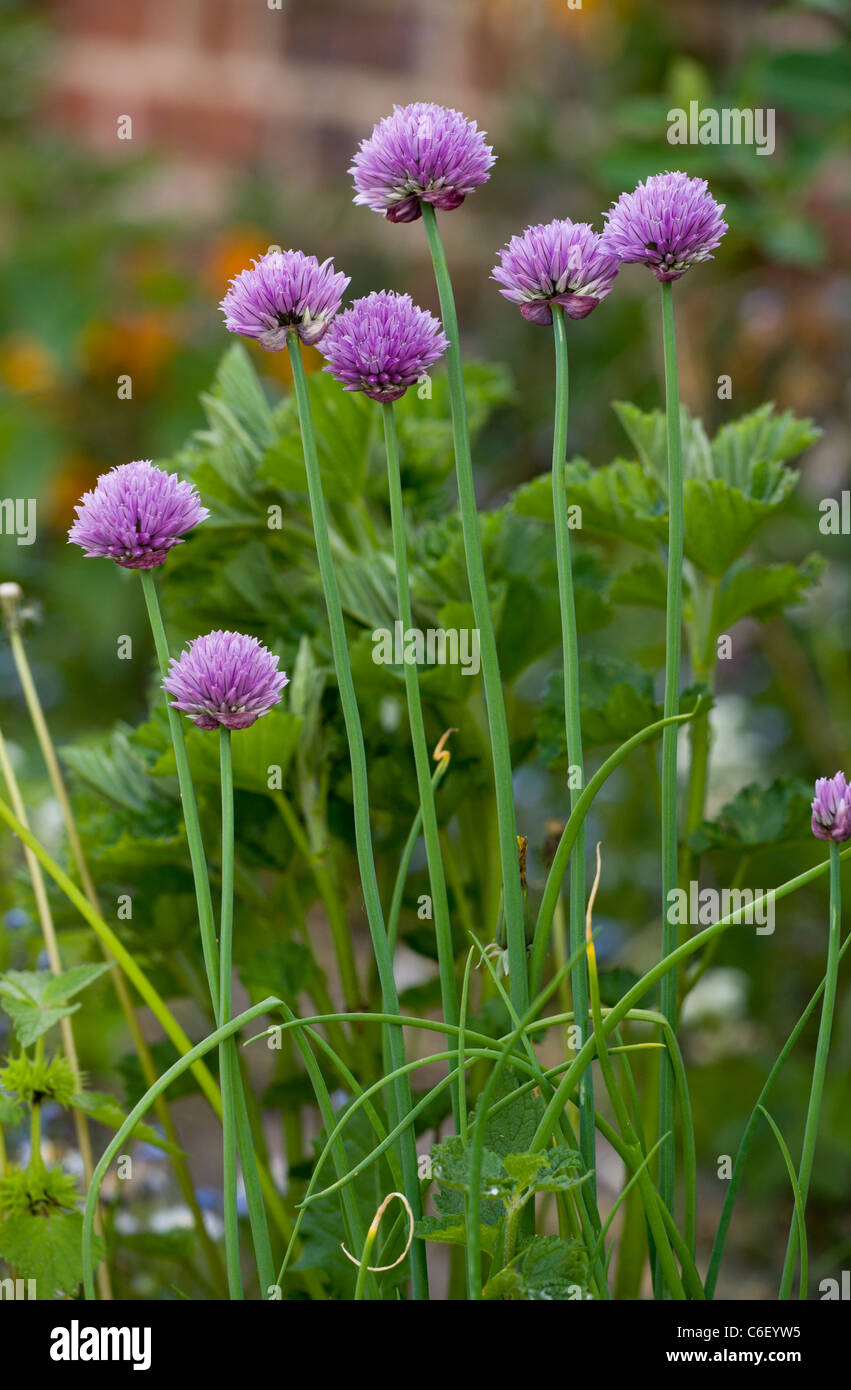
(512, 1182)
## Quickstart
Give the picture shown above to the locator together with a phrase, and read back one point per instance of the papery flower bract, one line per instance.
(135, 515)
(423, 152)
(382, 344)
(669, 223)
(225, 680)
(559, 262)
(284, 290)
(832, 809)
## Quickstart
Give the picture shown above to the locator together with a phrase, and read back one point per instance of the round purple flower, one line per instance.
(423, 152)
(557, 263)
(669, 223)
(225, 680)
(282, 291)
(135, 515)
(832, 809)
(382, 345)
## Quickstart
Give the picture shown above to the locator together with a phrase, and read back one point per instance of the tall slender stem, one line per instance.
(51, 946)
(673, 626)
(808, 1149)
(572, 724)
(119, 981)
(401, 1093)
(256, 1186)
(437, 879)
(227, 1059)
(497, 721)
(187, 798)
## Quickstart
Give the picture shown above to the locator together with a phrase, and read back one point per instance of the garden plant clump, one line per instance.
(319, 840)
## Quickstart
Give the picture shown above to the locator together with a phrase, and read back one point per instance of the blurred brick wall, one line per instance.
(223, 83)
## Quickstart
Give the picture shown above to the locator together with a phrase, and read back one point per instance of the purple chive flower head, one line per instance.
(135, 515)
(559, 263)
(669, 223)
(284, 290)
(225, 680)
(422, 153)
(382, 345)
(832, 809)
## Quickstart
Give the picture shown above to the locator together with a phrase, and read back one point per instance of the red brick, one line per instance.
(340, 33)
(215, 132)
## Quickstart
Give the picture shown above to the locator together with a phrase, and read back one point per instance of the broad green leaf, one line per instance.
(35, 999)
(762, 591)
(60, 988)
(31, 1021)
(648, 434)
(270, 742)
(742, 449)
(283, 969)
(759, 816)
(549, 1269)
(619, 499)
(616, 699)
(642, 585)
(721, 521)
(47, 1249)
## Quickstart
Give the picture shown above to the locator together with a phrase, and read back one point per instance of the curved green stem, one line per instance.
(750, 1128)
(405, 861)
(573, 724)
(497, 721)
(552, 888)
(652, 977)
(808, 1149)
(183, 1064)
(360, 789)
(437, 879)
(673, 630)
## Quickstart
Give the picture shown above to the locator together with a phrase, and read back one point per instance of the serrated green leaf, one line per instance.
(762, 591)
(60, 988)
(31, 1021)
(549, 1269)
(758, 816)
(47, 1249)
(721, 520)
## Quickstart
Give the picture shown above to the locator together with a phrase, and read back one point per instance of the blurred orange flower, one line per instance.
(26, 365)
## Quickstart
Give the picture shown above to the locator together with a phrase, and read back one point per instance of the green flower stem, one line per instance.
(573, 725)
(360, 786)
(405, 861)
(51, 946)
(350, 1210)
(338, 926)
(254, 1183)
(630, 1137)
(648, 981)
(159, 1009)
(673, 632)
(437, 880)
(183, 1064)
(820, 1068)
(227, 1059)
(143, 1052)
(750, 1128)
(552, 887)
(187, 796)
(497, 721)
